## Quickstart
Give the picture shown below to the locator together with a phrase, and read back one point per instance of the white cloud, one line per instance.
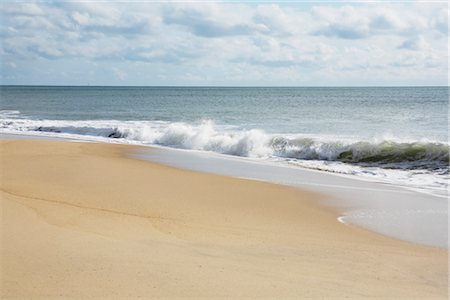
(415, 43)
(81, 18)
(356, 22)
(238, 43)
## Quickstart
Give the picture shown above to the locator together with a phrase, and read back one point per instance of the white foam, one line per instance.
(301, 150)
(9, 113)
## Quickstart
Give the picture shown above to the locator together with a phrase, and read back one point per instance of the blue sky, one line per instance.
(231, 43)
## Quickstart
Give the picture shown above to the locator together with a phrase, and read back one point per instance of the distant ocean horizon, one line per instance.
(392, 134)
(222, 86)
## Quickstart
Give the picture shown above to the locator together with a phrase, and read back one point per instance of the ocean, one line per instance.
(395, 135)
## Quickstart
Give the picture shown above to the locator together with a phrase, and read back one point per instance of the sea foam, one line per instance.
(248, 143)
(376, 158)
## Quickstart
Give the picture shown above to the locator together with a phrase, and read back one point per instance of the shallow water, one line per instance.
(391, 134)
(393, 211)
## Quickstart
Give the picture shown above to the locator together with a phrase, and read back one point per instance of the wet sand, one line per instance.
(83, 220)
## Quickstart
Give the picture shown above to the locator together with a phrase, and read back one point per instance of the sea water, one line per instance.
(396, 135)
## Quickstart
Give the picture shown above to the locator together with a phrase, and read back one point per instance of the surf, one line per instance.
(256, 143)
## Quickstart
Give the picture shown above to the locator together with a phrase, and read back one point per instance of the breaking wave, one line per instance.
(207, 136)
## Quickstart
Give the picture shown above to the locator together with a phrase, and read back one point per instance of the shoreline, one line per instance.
(414, 216)
(360, 201)
(84, 219)
(98, 139)
(398, 174)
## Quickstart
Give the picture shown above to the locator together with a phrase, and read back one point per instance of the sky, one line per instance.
(184, 43)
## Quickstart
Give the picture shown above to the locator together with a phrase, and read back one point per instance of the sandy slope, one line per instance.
(80, 220)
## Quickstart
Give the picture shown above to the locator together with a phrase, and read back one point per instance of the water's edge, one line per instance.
(414, 216)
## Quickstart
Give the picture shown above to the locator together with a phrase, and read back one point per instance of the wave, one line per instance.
(256, 143)
(388, 154)
(6, 113)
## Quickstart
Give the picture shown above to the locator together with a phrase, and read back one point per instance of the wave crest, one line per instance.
(249, 143)
(389, 153)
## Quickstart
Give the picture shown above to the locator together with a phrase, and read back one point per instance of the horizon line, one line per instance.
(217, 86)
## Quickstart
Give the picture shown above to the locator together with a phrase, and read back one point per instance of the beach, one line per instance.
(86, 220)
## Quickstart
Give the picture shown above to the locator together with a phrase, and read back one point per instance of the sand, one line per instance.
(83, 220)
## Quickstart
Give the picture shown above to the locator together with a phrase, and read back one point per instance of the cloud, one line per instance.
(362, 22)
(225, 42)
(32, 9)
(345, 22)
(415, 43)
(223, 20)
(208, 21)
(343, 31)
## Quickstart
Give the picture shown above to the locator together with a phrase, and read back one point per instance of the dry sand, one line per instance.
(81, 220)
